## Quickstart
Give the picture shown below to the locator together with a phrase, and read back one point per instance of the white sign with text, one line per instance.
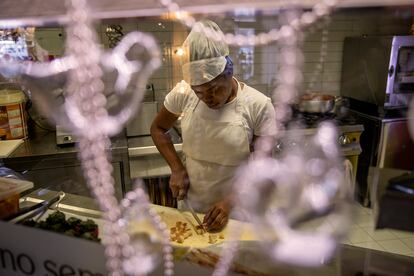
(30, 251)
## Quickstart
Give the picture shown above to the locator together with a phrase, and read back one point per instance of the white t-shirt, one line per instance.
(258, 111)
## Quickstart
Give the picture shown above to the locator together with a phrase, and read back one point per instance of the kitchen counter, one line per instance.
(146, 161)
(47, 165)
(252, 259)
(143, 145)
(43, 144)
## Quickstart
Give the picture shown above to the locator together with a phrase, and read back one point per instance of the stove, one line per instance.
(307, 123)
(312, 120)
(303, 126)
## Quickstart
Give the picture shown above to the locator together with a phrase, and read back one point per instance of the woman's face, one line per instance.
(216, 93)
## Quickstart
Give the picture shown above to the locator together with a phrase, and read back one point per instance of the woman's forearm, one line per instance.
(162, 141)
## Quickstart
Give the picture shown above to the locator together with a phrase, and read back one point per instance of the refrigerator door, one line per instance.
(396, 146)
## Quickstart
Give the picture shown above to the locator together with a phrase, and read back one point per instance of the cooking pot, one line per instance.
(316, 103)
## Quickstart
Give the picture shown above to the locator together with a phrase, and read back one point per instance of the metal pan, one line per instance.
(316, 103)
(36, 210)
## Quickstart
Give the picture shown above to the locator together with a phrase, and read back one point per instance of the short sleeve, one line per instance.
(265, 123)
(177, 98)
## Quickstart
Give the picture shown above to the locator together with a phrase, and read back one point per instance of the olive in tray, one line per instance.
(72, 226)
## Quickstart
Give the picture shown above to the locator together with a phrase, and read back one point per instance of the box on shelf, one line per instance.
(13, 117)
(10, 190)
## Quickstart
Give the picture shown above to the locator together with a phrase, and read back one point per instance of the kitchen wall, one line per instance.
(52, 39)
(343, 23)
(257, 66)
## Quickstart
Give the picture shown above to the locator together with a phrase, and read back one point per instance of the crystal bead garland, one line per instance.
(137, 202)
(319, 10)
(70, 92)
(289, 77)
(84, 91)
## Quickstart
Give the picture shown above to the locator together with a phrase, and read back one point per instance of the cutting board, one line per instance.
(170, 216)
(8, 146)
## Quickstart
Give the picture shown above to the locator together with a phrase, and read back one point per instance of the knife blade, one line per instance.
(190, 208)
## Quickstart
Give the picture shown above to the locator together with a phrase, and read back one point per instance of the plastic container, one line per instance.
(13, 118)
(10, 190)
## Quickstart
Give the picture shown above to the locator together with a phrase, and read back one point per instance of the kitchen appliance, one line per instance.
(378, 72)
(386, 143)
(63, 137)
(378, 80)
(141, 123)
(397, 199)
(349, 133)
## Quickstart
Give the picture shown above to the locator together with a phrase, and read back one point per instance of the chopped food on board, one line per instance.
(180, 232)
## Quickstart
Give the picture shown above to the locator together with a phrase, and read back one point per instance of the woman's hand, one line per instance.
(218, 216)
(179, 183)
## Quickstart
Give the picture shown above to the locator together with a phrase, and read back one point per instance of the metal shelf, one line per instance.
(49, 12)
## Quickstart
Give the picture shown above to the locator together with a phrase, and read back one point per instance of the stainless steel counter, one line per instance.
(43, 144)
(139, 146)
(146, 161)
(41, 161)
(143, 145)
(144, 158)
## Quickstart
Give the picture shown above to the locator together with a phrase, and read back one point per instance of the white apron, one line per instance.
(215, 143)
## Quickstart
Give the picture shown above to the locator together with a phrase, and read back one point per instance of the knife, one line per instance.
(190, 208)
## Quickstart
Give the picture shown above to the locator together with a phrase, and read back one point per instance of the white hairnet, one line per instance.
(204, 57)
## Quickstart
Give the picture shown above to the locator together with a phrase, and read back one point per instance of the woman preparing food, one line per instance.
(222, 120)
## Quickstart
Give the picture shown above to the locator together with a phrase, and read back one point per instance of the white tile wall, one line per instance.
(170, 35)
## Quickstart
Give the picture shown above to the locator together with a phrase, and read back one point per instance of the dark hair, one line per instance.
(228, 69)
